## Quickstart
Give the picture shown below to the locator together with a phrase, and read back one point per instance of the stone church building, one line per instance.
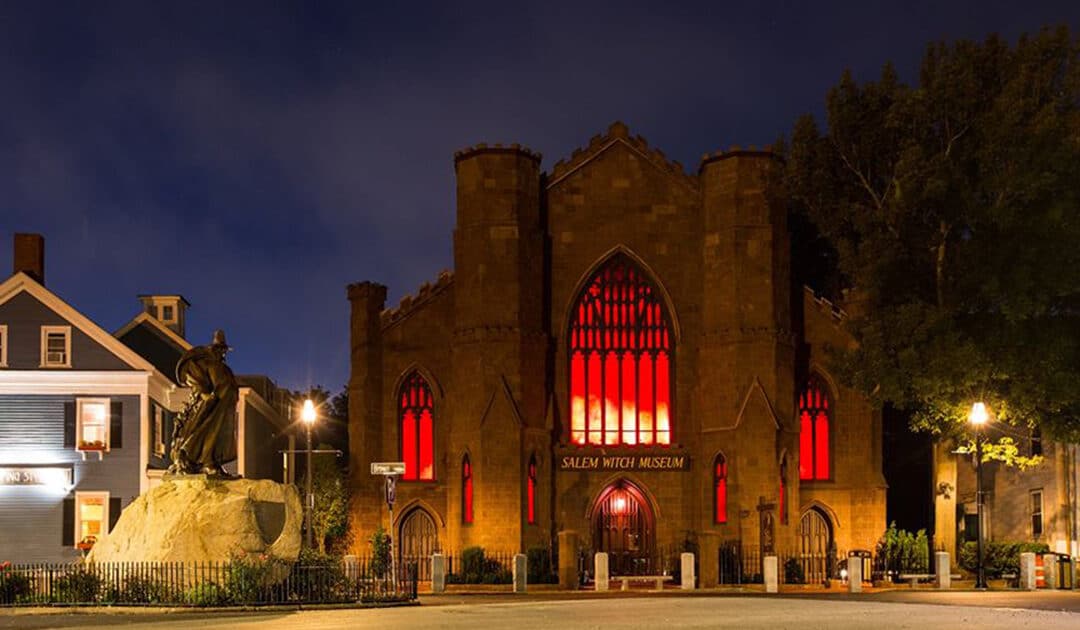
(619, 353)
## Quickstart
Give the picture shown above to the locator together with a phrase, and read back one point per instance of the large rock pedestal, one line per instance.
(191, 518)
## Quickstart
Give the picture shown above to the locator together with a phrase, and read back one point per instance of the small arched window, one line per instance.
(815, 422)
(531, 491)
(466, 490)
(621, 360)
(720, 489)
(416, 411)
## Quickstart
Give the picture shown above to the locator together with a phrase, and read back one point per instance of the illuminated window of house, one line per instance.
(720, 489)
(416, 411)
(3, 345)
(814, 426)
(621, 360)
(91, 516)
(56, 346)
(1036, 513)
(531, 491)
(92, 424)
(159, 431)
(466, 490)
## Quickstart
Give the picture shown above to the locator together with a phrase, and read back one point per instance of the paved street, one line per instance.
(653, 613)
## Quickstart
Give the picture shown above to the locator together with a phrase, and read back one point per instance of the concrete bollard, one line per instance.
(521, 573)
(1050, 570)
(854, 575)
(438, 573)
(771, 575)
(1027, 571)
(944, 569)
(686, 573)
(600, 567)
(568, 560)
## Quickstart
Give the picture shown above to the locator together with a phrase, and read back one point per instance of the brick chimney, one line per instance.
(30, 256)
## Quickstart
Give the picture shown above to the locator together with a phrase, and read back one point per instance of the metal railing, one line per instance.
(236, 582)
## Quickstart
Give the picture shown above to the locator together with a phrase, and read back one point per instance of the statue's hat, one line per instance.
(219, 339)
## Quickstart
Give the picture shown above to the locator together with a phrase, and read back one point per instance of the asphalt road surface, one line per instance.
(652, 613)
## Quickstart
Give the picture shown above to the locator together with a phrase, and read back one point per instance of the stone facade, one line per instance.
(491, 340)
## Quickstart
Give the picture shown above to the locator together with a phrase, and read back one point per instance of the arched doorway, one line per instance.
(816, 547)
(623, 526)
(417, 540)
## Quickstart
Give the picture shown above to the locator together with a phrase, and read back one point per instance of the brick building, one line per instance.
(619, 352)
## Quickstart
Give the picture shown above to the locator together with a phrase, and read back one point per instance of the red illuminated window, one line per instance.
(720, 490)
(417, 413)
(621, 360)
(466, 491)
(531, 491)
(814, 421)
(783, 491)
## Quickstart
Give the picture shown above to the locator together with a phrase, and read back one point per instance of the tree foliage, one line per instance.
(953, 208)
(331, 498)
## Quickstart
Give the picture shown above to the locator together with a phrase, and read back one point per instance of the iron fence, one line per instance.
(743, 564)
(236, 582)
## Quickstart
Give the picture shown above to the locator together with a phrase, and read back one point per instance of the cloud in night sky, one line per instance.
(257, 157)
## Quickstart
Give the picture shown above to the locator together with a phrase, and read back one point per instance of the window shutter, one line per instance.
(116, 425)
(114, 511)
(69, 425)
(67, 536)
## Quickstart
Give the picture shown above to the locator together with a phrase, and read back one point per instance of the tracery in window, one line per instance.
(621, 360)
(417, 414)
(720, 489)
(814, 426)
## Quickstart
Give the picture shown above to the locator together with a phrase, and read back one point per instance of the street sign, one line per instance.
(388, 468)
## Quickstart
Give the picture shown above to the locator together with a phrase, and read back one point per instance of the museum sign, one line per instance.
(638, 462)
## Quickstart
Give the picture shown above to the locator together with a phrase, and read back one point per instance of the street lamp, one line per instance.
(307, 414)
(978, 418)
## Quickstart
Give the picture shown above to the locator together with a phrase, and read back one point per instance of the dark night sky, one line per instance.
(257, 157)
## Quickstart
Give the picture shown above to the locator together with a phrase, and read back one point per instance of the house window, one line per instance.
(92, 424)
(531, 491)
(720, 489)
(814, 426)
(159, 431)
(466, 491)
(1036, 513)
(3, 345)
(91, 517)
(1036, 442)
(168, 314)
(621, 360)
(56, 346)
(417, 416)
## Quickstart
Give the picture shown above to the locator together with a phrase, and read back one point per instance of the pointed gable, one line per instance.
(153, 341)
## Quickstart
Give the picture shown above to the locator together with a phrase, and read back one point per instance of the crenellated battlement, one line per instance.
(411, 302)
(825, 305)
(618, 132)
(482, 147)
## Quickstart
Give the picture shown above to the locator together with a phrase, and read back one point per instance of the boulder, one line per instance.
(191, 518)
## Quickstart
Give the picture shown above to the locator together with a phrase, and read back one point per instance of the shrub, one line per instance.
(899, 551)
(793, 572)
(998, 557)
(320, 577)
(380, 553)
(206, 594)
(14, 586)
(475, 568)
(77, 586)
(541, 567)
(248, 576)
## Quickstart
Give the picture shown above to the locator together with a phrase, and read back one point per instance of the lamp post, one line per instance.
(307, 414)
(978, 418)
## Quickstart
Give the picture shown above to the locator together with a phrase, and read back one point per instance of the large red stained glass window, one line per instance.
(531, 491)
(720, 490)
(466, 491)
(621, 361)
(417, 413)
(814, 426)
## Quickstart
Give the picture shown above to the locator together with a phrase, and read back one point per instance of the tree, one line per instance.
(954, 212)
(331, 498)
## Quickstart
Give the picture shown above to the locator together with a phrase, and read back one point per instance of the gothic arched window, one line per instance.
(720, 489)
(814, 426)
(621, 360)
(416, 412)
(466, 490)
(531, 491)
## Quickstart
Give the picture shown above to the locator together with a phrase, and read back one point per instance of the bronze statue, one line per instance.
(204, 434)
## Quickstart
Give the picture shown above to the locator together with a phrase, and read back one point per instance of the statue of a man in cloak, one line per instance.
(204, 435)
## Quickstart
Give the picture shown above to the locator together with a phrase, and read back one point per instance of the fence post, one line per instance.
(600, 566)
(568, 558)
(944, 569)
(771, 574)
(438, 573)
(521, 573)
(854, 574)
(686, 572)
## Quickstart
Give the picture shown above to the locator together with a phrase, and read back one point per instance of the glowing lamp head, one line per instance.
(307, 414)
(978, 415)
(618, 504)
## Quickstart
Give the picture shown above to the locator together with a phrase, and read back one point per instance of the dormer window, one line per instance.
(168, 314)
(55, 346)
